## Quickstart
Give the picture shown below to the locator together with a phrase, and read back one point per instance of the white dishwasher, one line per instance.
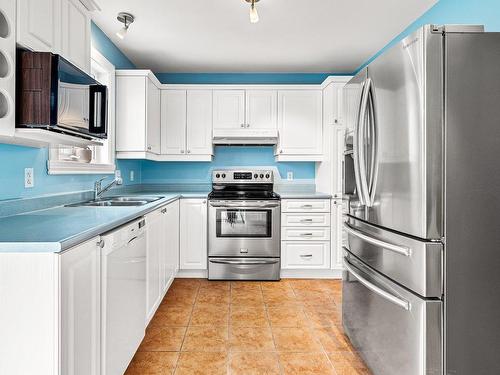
(123, 295)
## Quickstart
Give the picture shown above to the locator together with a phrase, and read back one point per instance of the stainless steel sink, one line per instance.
(122, 201)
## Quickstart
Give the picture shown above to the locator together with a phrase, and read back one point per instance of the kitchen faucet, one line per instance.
(99, 190)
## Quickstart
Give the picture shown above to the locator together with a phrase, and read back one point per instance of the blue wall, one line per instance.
(225, 156)
(15, 158)
(243, 78)
(479, 12)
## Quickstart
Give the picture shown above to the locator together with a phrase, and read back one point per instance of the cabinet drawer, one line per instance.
(305, 234)
(305, 205)
(305, 220)
(300, 254)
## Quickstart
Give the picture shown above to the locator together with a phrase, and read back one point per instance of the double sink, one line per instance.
(119, 201)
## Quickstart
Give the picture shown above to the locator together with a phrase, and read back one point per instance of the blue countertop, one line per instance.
(57, 229)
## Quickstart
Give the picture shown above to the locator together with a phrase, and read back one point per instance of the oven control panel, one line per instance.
(242, 176)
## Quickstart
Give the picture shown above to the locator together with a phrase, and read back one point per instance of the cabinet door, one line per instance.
(261, 109)
(337, 234)
(173, 122)
(81, 309)
(75, 21)
(39, 24)
(337, 150)
(229, 109)
(193, 234)
(155, 242)
(130, 113)
(172, 248)
(300, 122)
(153, 121)
(199, 122)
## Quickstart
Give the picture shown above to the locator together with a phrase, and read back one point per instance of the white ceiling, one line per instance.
(292, 35)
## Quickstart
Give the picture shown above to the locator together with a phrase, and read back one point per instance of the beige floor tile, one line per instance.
(169, 315)
(348, 363)
(246, 285)
(254, 364)
(248, 316)
(313, 296)
(320, 316)
(210, 315)
(205, 339)
(286, 317)
(213, 296)
(202, 364)
(305, 364)
(220, 285)
(246, 297)
(153, 363)
(307, 285)
(246, 339)
(332, 339)
(162, 339)
(295, 340)
(180, 297)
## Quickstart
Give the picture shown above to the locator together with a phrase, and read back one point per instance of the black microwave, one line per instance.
(55, 95)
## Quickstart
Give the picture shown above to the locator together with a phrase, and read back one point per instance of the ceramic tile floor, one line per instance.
(248, 328)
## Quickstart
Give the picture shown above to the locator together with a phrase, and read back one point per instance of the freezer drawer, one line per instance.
(395, 331)
(244, 268)
(415, 264)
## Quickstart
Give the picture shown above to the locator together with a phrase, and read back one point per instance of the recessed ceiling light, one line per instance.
(254, 15)
(127, 19)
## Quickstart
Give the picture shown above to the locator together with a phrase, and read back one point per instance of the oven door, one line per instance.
(244, 229)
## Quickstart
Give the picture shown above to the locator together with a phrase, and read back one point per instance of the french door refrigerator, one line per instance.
(421, 290)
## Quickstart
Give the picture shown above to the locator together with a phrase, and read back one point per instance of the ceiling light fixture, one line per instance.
(127, 19)
(254, 16)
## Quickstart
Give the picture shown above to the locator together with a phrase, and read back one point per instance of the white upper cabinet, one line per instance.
(199, 122)
(261, 109)
(39, 24)
(173, 122)
(57, 26)
(244, 111)
(153, 118)
(138, 124)
(229, 109)
(76, 33)
(300, 124)
(187, 124)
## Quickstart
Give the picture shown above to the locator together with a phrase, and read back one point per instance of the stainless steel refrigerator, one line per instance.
(421, 290)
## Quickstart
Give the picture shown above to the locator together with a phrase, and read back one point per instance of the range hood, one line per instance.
(245, 137)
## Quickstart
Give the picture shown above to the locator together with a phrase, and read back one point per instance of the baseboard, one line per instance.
(197, 274)
(311, 274)
(285, 274)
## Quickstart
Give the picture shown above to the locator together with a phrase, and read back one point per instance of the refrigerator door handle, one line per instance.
(374, 150)
(382, 293)
(402, 250)
(357, 147)
(361, 142)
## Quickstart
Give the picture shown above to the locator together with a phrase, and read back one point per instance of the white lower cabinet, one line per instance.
(156, 245)
(305, 255)
(337, 234)
(81, 309)
(170, 256)
(305, 234)
(193, 234)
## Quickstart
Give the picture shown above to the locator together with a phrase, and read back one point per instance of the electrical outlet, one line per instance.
(118, 173)
(289, 176)
(29, 178)
(132, 176)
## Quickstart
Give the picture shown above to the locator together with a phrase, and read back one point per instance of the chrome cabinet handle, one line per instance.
(306, 256)
(164, 211)
(132, 239)
(402, 250)
(188, 151)
(306, 234)
(248, 125)
(242, 125)
(149, 148)
(306, 220)
(306, 206)
(382, 293)
(100, 244)
(182, 151)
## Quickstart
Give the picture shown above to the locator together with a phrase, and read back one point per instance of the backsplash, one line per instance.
(224, 157)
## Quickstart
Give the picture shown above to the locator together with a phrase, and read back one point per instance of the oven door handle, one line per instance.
(243, 262)
(244, 204)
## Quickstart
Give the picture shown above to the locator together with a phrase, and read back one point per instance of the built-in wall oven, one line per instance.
(244, 227)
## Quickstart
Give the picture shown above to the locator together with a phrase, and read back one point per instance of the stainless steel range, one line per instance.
(243, 226)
